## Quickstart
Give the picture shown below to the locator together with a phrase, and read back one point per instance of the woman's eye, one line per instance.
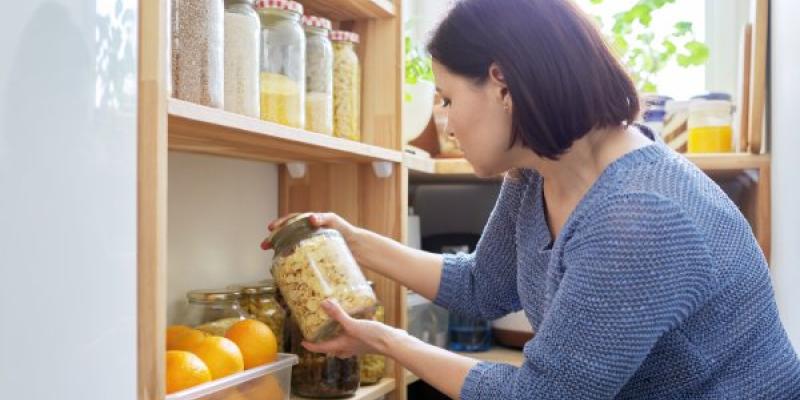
(445, 103)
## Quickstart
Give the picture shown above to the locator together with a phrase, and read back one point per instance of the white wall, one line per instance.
(785, 86)
(68, 199)
(218, 213)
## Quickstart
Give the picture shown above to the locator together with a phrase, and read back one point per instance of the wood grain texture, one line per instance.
(744, 90)
(758, 81)
(198, 129)
(343, 10)
(152, 200)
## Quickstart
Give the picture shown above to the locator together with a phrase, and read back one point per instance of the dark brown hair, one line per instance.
(563, 78)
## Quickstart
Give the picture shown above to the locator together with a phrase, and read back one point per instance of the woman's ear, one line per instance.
(498, 82)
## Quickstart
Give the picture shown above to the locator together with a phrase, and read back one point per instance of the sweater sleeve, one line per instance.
(483, 284)
(635, 269)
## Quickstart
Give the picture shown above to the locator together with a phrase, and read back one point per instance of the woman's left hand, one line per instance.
(358, 336)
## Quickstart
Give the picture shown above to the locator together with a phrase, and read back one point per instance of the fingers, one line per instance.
(335, 311)
(337, 347)
(281, 221)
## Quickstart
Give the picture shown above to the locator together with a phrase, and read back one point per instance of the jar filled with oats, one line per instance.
(258, 300)
(197, 51)
(373, 365)
(319, 75)
(315, 264)
(283, 62)
(213, 310)
(346, 86)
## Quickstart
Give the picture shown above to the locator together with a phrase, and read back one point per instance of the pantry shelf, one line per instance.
(496, 354)
(425, 169)
(198, 129)
(343, 10)
(373, 392)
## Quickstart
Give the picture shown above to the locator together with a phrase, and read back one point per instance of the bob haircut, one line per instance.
(562, 77)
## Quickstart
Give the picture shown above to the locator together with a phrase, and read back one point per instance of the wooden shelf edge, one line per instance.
(411, 378)
(342, 10)
(373, 392)
(199, 129)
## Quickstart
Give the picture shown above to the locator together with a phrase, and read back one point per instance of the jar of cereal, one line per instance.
(346, 86)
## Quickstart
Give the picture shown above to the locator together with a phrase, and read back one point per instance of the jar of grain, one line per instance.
(242, 37)
(373, 366)
(319, 75)
(213, 310)
(197, 51)
(283, 62)
(259, 302)
(346, 86)
(312, 265)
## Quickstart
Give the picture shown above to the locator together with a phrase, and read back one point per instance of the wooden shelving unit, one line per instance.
(373, 392)
(344, 10)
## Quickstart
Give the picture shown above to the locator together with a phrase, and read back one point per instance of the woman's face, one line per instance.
(480, 117)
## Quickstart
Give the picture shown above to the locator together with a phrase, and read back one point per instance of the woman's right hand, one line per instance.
(319, 220)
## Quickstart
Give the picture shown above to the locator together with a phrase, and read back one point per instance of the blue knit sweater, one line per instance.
(654, 289)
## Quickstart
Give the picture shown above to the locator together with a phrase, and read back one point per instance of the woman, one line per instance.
(641, 279)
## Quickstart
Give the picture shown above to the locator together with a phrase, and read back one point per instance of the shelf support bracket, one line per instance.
(297, 170)
(383, 169)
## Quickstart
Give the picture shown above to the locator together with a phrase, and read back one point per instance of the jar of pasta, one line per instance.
(213, 310)
(319, 75)
(283, 62)
(373, 365)
(346, 86)
(312, 265)
(320, 375)
(258, 300)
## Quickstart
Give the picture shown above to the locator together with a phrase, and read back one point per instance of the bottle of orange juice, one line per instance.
(710, 126)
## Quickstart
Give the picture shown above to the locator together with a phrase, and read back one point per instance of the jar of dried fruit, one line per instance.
(319, 375)
(312, 265)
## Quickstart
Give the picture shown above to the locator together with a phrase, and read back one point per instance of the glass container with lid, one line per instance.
(242, 41)
(213, 310)
(373, 366)
(312, 265)
(346, 86)
(259, 302)
(319, 375)
(319, 75)
(283, 62)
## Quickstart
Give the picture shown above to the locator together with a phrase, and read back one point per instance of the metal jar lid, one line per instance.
(213, 295)
(292, 231)
(266, 286)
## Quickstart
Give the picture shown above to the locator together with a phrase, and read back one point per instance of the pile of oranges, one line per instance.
(195, 357)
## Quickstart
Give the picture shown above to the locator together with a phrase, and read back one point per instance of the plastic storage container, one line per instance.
(242, 37)
(259, 302)
(710, 126)
(427, 321)
(312, 265)
(373, 366)
(467, 334)
(267, 382)
(213, 310)
(321, 376)
(346, 86)
(319, 75)
(197, 51)
(283, 62)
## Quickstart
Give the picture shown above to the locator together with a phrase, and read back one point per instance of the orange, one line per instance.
(180, 337)
(256, 341)
(221, 355)
(266, 388)
(185, 370)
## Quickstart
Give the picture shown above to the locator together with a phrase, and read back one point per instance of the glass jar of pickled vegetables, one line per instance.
(197, 51)
(283, 62)
(319, 375)
(373, 366)
(319, 75)
(346, 86)
(242, 38)
(213, 310)
(312, 265)
(259, 302)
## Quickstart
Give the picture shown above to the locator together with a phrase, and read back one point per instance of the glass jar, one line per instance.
(213, 310)
(242, 37)
(197, 51)
(346, 86)
(468, 334)
(319, 75)
(312, 265)
(283, 62)
(373, 366)
(321, 376)
(710, 126)
(259, 302)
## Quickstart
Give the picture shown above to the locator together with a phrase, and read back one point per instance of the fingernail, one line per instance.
(327, 304)
(264, 245)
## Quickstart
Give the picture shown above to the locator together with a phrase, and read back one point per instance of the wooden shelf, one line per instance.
(373, 392)
(198, 129)
(443, 170)
(345, 10)
(410, 377)
(496, 354)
